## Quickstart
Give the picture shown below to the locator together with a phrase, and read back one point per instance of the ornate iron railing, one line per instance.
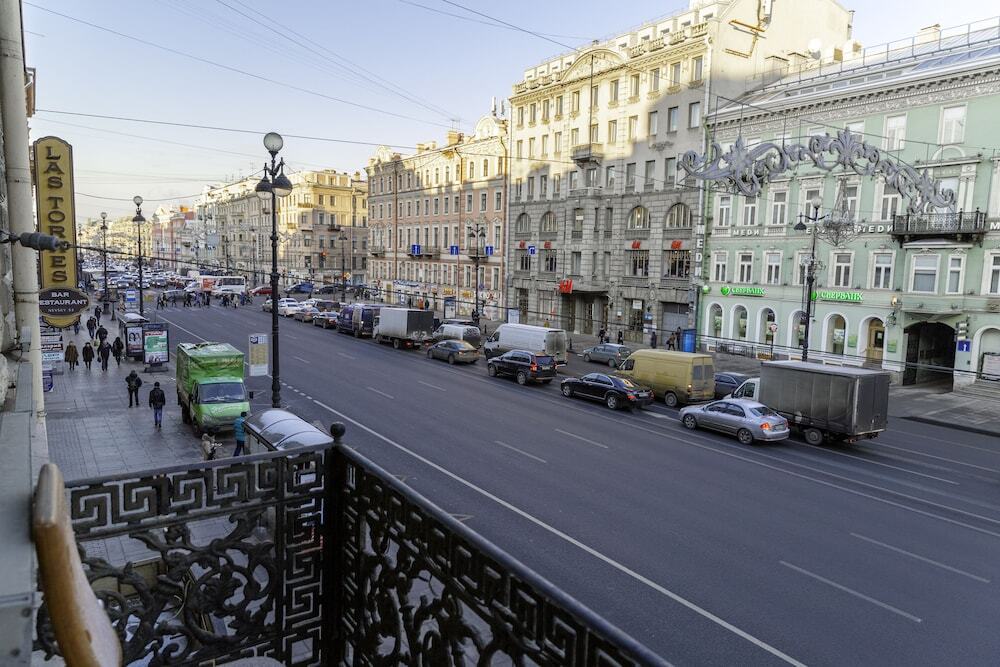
(946, 222)
(314, 557)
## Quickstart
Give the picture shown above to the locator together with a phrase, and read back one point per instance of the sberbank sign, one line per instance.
(850, 297)
(741, 291)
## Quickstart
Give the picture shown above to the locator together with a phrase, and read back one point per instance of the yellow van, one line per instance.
(676, 377)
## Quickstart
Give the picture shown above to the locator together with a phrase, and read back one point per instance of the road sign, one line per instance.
(415, 249)
(453, 250)
(532, 250)
(258, 355)
(963, 346)
(62, 302)
(489, 251)
(131, 301)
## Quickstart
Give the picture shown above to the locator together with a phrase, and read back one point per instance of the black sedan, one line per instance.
(614, 392)
(726, 383)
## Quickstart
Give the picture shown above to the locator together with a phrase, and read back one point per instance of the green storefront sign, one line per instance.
(741, 291)
(850, 297)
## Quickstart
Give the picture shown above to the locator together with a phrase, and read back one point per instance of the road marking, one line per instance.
(520, 451)
(573, 541)
(657, 415)
(348, 356)
(851, 591)
(923, 559)
(305, 361)
(381, 393)
(183, 329)
(876, 463)
(580, 437)
(939, 458)
(432, 386)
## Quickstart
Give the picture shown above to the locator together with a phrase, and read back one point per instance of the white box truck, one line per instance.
(403, 327)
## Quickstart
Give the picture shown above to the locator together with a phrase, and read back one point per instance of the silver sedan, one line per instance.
(607, 353)
(747, 420)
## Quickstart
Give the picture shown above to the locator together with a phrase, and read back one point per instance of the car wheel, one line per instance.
(744, 436)
(357, 333)
(567, 391)
(491, 370)
(451, 359)
(586, 358)
(522, 378)
(690, 422)
(612, 401)
(612, 364)
(395, 343)
(430, 354)
(813, 436)
(670, 398)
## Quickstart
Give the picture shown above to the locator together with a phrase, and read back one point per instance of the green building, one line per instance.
(915, 292)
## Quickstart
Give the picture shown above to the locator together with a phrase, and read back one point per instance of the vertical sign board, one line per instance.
(133, 341)
(56, 216)
(258, 355)
(155, 343)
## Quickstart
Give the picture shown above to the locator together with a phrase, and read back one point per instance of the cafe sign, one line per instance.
(741, 291)
(56, 217)
(843, 297)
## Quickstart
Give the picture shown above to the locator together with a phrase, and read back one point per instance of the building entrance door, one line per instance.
(876, 342)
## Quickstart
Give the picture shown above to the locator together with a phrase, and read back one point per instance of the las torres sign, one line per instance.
(57, 217)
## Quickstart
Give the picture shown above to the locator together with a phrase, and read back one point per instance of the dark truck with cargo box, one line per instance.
(836, 403)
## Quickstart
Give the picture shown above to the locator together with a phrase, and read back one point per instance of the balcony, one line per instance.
(675, 282)
(635, 281)
(576, 234)
(960, 226)
(376, 250)
(585, 154)
(699, 29)
(592, 191)
(310, 556)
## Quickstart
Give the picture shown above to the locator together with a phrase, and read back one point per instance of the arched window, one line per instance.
(679, 216)
(523, 224)
(549, 223)
(638, 218)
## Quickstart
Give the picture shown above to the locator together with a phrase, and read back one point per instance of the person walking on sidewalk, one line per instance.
(104, 352)
(76, 326)
(102, 335)
(652, 339)
(621, 336)
(91, 326)
(600, 335)
(133, 382)
(157, 399)
(240, 433)
(118, 349)
(72, 356)
(88, 355)
(98, 313)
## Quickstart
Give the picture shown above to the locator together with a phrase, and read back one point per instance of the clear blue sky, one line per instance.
(448, 64)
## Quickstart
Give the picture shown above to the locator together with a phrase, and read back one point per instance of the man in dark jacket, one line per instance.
(118, 349)
(133, 382)
(88, 354)
(98, 313)
(157, 399)
(104, 352)
(102, 335)
(91, 326)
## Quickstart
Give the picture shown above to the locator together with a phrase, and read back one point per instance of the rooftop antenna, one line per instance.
(493, 106)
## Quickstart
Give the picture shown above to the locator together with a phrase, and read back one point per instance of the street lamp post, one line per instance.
(477, 231)
(104, 246)
(274, 184)
(342, 239)
(138, 220)
(815, 218)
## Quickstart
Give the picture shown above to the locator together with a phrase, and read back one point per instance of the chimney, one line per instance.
(931, 33)
(454, 137)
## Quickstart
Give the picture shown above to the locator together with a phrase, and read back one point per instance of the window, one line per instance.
(669, 172)
(772, 260)
(994, 286)
(953, 125)
(633, 127)
(446, 204)
(545, 111)
(472, 169)
(556, 184)
(842, 269)
(890, 203)
(633, 87)
(719, 266)
(801, 267)
(697, 67)
(678, 216)
(545, 145)
(483, 195)
(612, 131)
(882, 270)
(638, 263)
(675, 74)
(630, 176)
(650, 176)
(520, 115)
(578, 220)
(549, 223)
(531, 147)
(654, 80)
(409, 209)
(652, 123)
(856, 128)
(745, 263)
(437, 206)
(606, 265)
(523, 260)
(638, 218)
(749, 211)
(574, 136)
(427, 207)
(851, 198)
(594, 134)
(613, 91)
(531, 192)
(676, 263)
(575, 263)
(725, 215)
(594, 96)
(519, 149)
(924, 277)
(559, 106)
(549, 261)
(694, 114)
(955, 265)
(673, 118)
(532, 113)
(591, 177)
(574, 177)
(521, 226)
(779, 208)
(557, 143)
(895, 132)
(574, 102)
(468, 198)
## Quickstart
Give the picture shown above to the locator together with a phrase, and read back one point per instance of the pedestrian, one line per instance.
(672, 342)
(621, 336)
(104, 352)
(118, 350)
(88, 355)
(240, 433)
(97, 313)
(652, 339)
(102, 335)
(677, 338)
(600, 335)
(76, 326)
(133, 382)
(157, 399)
(91, 326)
(72, 356)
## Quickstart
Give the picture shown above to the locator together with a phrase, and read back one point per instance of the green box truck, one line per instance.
(210, 387)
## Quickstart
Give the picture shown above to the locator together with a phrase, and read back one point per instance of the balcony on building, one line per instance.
(953, 225)
(376, 250)
(587, 154)
(592, 191)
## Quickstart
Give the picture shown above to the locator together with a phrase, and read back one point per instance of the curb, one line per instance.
(956, 427)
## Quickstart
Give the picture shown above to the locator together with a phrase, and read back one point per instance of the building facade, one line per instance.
(603, 232)
(909, 291)
(438, 218)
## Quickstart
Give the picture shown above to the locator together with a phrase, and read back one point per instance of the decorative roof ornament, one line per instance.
(745, 171)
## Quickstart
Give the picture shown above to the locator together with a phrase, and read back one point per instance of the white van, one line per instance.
(509, 337)
(470, 334)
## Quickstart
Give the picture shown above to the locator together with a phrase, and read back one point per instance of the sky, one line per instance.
(349, 75)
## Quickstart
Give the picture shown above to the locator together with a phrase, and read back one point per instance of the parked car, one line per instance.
(454, 351)
(726, 383)
(747, 420)
(326, 304)
(524, 366)
(305, 313)
(607, 353)
(287, 307)
(508, 337)
(328, 289)
(261, 290)
(266, 306)
(345, 320)
(326, 319)
(470, 334)
(300, 288)
(614, 392)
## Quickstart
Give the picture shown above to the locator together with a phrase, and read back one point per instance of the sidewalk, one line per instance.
(942, 407)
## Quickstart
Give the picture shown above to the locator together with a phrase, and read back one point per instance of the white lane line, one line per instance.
(520, 451)
(347, 356)
(827, 450)
(575, 542)
(923, 559)
(432, 386)
(305, 361)
(380, 393)
(851, 591)
(183, 329)
(939, 458)
(939, 440)
(580, 437)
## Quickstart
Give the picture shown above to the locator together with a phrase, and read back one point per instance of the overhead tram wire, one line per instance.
(237, 70)
(492, 24)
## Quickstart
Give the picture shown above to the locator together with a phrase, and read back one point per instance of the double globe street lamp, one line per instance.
(104, 252)
(274, 184)
(138, 220)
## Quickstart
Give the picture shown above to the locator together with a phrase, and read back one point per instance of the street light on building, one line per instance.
(477, 231)
(104, 246)
(274, 184)
(342, 239)
(138, 220)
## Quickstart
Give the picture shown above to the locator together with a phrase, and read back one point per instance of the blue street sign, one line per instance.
(532, 250)
(415, 249)
(453, 250)
(489, 251)
(965, 345)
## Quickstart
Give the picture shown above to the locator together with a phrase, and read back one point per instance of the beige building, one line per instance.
(435, 215)
(604, 235)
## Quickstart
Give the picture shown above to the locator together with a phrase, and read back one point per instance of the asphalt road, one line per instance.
(882, 553)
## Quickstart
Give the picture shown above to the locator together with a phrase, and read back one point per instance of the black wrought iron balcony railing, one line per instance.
(946, 224)
(314, 556)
